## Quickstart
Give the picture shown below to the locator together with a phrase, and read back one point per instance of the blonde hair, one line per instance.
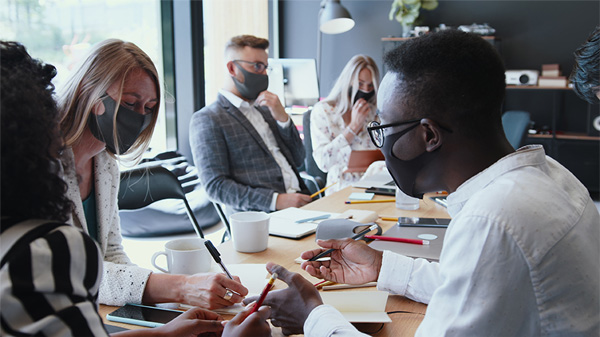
(109, 62)
(343, 92)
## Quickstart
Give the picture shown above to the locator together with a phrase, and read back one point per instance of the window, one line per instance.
(60, 32)
(224, 19)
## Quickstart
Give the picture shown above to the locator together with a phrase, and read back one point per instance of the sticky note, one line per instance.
(361, 196)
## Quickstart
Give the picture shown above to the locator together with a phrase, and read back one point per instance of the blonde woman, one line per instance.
(338, 123)
(109, 109)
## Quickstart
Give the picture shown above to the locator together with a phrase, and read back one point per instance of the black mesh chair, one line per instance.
(309, 162)
(221, 211)
(142, 186)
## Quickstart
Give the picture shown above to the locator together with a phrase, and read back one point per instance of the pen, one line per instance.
(369, 201)
(264, 293)
(217, 256)
(321, 190)
(422, 225)
(388, 238)
(324, 216)
(355, 237)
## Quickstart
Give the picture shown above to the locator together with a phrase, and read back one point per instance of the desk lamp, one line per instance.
(333, 19)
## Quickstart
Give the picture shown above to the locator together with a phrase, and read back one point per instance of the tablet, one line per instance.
(143, 315)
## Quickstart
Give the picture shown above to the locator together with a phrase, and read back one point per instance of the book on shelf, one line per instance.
(552, 81)
(551, 70)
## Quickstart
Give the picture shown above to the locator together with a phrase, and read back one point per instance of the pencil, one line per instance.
(385, 218)
(321, 190)
(355, 237)
(369, 201)
(323, 284)
(264, 293)
(349, 286)
(387, 238)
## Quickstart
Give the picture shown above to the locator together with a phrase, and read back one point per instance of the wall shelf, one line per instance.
(572, 136)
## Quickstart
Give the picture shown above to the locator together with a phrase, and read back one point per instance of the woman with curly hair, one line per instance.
(109, 108)
(51, 271)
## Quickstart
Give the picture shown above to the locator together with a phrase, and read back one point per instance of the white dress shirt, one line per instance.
(521, 258)
(292, 184)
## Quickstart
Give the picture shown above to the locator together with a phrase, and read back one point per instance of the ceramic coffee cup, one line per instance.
(250, 231)
(184, 256)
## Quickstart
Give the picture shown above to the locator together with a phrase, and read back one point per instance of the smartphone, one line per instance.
(381, 191)
(143, 315)
(423, 222)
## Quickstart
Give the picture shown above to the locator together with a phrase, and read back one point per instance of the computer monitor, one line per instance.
(294, 81)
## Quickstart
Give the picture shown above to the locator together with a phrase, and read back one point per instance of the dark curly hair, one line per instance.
(31, 184)
(586, 72)
(452, 77)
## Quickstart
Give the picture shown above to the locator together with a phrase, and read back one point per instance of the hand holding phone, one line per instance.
(194, 322)
(169, 322)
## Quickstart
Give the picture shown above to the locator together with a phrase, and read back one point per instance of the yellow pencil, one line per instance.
(369, 201)
(321, 190)
(384, 218)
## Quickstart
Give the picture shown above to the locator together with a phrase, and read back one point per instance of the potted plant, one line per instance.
(407, 12)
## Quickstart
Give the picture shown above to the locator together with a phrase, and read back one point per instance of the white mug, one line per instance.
(250, 231)
(184, 256)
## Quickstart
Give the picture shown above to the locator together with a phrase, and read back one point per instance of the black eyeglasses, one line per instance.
(376, 130)
(259, 67)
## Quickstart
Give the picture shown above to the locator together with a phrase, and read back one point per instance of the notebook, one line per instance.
(360, 160)
(381, 180)
(283, 223)
(430, 252)
(359, 306)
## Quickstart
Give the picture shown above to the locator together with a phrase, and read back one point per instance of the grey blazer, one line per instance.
(234, 164)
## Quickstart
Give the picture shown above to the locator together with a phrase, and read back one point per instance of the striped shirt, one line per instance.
(49, 284)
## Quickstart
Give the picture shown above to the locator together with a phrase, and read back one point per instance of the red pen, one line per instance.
(264, 293)
(389, 238)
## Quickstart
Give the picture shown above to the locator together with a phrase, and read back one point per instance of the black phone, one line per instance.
(381, 191)
(423, 222)
(143, 315)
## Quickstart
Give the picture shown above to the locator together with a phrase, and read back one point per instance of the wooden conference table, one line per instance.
(285, 251)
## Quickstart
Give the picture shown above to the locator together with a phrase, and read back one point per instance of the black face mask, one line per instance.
(404, 172)
(130, 125)
(253, 84)
(361, 94)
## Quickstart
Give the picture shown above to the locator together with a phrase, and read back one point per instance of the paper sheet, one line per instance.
(359, 306)
(253, 276)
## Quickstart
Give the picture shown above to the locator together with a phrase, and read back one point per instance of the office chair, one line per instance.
(319, 177)
(515, 124)
(223, 216)
(142, 186)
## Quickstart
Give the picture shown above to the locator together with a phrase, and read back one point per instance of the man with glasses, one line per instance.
(245, 145)
(520, 255)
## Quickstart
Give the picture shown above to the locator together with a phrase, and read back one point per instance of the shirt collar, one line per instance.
(530, 155)
(236, 101)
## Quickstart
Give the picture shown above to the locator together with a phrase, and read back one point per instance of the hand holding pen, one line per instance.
(352, 262)
(231, 295)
